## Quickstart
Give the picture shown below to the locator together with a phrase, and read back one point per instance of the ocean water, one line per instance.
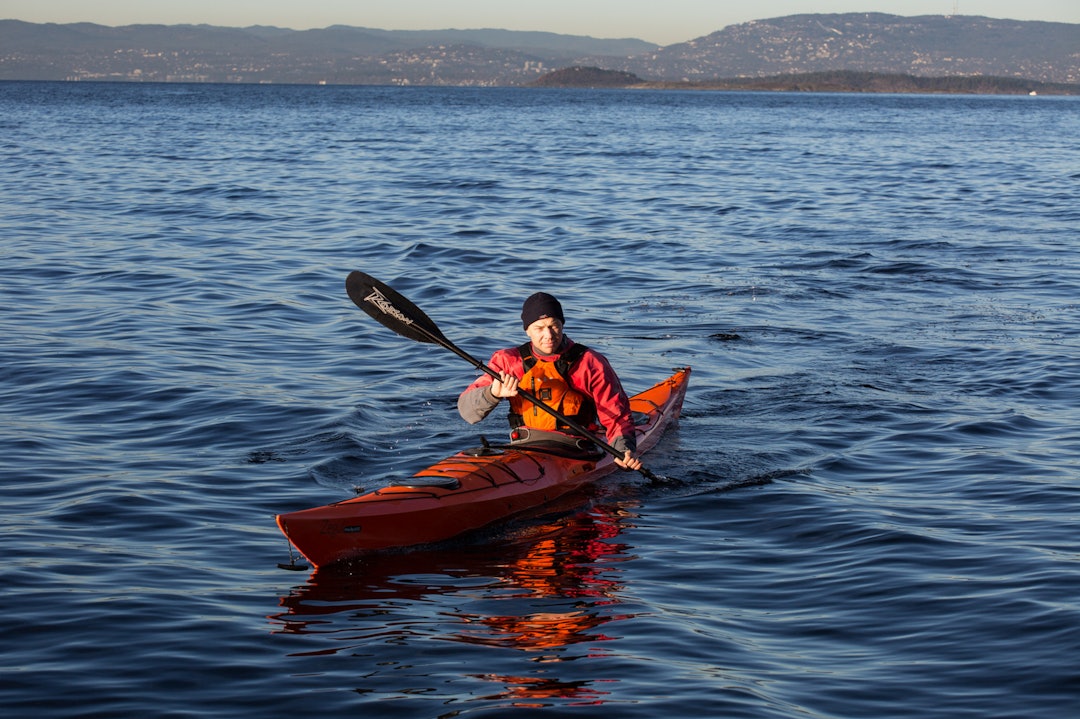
(873, 491)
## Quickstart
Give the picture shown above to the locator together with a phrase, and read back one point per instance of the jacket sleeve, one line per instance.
(477, 402)
(595, 374)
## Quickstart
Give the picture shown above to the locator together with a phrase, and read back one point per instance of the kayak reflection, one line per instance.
(531, 691)
(541, 586)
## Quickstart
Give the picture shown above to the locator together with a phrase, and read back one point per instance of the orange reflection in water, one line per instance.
(531, 691)
(555, 566)
(546, 585)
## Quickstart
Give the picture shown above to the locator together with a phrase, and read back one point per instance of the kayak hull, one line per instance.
(466, 491)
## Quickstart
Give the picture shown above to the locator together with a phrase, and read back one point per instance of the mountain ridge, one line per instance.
(339, 54)
(923, 45)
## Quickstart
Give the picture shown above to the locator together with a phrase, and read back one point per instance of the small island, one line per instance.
(588, 77)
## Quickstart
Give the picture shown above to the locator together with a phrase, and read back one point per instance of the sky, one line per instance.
(663, 22)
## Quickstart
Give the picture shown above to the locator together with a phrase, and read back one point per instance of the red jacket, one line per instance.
(591, 375)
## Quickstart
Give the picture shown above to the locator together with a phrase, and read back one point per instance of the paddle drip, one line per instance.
(292, 565)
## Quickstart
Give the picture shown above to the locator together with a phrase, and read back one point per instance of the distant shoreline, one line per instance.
(832, 81)
(592, 78)
(836, 52)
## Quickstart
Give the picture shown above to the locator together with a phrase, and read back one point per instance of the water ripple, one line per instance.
(867, 505)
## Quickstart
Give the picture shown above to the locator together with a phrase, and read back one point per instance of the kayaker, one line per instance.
(573, 379)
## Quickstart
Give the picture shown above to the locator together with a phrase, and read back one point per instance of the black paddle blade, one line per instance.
(389, 308)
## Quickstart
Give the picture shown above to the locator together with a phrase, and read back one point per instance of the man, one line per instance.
(573, 379)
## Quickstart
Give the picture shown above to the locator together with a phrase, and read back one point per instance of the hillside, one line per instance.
(337, 54)
(929, 46)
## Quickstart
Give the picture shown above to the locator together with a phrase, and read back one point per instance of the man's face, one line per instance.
(545, 334)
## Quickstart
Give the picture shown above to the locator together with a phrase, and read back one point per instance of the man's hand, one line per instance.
(506, 386)
(629, 461)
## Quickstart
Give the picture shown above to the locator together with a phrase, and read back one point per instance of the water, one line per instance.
(872, 510)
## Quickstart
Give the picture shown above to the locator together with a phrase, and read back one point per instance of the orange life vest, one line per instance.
(548, 382)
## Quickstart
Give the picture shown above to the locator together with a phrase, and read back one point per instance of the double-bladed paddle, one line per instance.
(391, 309)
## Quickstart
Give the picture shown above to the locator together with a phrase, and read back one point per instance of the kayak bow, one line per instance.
(468, 490)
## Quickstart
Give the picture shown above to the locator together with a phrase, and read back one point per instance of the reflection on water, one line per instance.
(527, 691)
(543, 587)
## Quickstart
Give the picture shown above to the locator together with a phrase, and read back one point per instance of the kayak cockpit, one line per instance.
(428, 482)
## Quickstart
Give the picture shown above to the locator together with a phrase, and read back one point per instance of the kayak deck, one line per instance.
(466, 491)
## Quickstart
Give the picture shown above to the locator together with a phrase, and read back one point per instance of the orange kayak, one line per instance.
(469, 490)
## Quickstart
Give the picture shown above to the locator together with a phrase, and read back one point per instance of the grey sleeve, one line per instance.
(476, 404)
(622, 443)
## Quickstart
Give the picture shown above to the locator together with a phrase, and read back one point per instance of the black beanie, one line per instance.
(539, 306)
